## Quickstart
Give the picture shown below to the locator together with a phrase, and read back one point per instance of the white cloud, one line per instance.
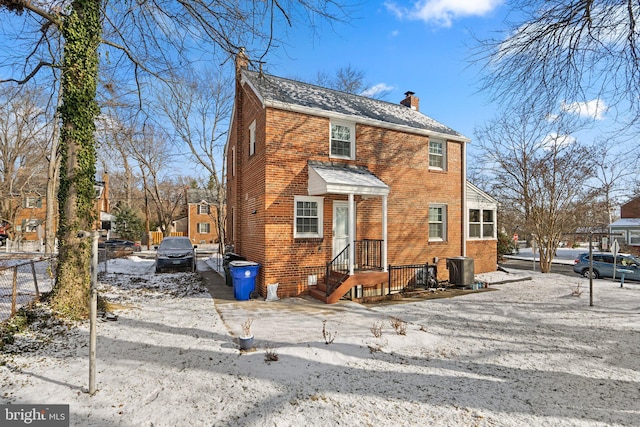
(554, 140)
(593, 109)
(442, 12)
(376, 89)
(395, 33)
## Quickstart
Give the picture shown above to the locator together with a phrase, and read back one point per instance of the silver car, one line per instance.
(603, 265)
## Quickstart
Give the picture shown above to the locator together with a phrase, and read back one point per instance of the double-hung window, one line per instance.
(343, 140)
(437, 223)
(307, 217)
(33, 202)
(252, 138)
(482, 224)
(203, 209)
(204, 228)
(437, 154)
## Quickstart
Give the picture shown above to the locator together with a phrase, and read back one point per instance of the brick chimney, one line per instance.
(411, 101)
(242, 61)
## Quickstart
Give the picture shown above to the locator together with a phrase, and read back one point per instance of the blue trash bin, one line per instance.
(244, 275)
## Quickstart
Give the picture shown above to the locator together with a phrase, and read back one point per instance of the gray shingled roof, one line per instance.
(197, 195)
(279, 90)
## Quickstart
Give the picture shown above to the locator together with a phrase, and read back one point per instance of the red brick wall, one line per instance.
(484, 253)
(631, 209)
(268, 181)
(195, 218)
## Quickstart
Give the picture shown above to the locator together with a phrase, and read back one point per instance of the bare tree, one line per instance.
(613, 175)
(23, 145)
(197, 107)
(538, 173)
(566, 54)
(140, 41)
(151, 153)
(349, 79)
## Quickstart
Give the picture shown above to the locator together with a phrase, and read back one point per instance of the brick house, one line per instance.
(200, 222)
(30, 212)
(30, 216)
(316, 175)
(628, 226)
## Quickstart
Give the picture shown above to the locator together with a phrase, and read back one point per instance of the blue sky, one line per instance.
(424, 46)
(422, 49)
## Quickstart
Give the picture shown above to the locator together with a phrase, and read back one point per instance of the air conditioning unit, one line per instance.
(460, 271)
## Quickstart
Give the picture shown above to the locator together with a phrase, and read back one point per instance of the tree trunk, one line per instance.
(76, 196)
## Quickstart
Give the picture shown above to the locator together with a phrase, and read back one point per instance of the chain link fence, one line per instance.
(23, 281)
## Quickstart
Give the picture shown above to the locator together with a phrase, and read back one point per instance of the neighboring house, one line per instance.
(627, 229)
(316, 175)
(200, 222)
(30, 219)
(30, 216)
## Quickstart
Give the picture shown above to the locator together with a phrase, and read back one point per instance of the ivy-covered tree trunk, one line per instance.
(82, 31)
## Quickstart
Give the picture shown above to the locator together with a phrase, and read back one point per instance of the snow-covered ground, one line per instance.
(531, 352)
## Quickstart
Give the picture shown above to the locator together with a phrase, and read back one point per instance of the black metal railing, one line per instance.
(368, 254)
(408, 277)
(337, 270)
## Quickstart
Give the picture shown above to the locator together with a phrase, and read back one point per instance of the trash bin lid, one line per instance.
(242, 263)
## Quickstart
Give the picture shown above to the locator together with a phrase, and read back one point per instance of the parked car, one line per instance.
(120, 244)
(603, 265)
(176, 252)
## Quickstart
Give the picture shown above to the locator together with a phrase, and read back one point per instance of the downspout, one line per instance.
(464, 199)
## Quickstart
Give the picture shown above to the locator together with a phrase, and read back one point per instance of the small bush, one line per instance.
(328, 336)
(270, 355)
(400, 326)
(376, 329)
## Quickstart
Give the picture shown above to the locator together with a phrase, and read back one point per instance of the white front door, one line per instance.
(340, 227)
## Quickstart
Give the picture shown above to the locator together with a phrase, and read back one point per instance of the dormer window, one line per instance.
(343, 140)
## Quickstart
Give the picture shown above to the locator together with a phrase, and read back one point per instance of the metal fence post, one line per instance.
(93, 313)
(14, 292)
(35, 280)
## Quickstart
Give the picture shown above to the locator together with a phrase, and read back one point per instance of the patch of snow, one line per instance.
(531, 352)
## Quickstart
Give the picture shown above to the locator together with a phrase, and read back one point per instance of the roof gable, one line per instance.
(199, 195)
(278, 92)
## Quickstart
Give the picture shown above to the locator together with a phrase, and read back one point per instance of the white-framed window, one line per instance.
(437, 223)
(343, 140)
(307, 216)
(252, 138)
(634, 238)
(488, 224)
(437, 154)
(31, 225)
(204, 209)
(475, 223)
(204, 228)
(482, 224)
(32, 202)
